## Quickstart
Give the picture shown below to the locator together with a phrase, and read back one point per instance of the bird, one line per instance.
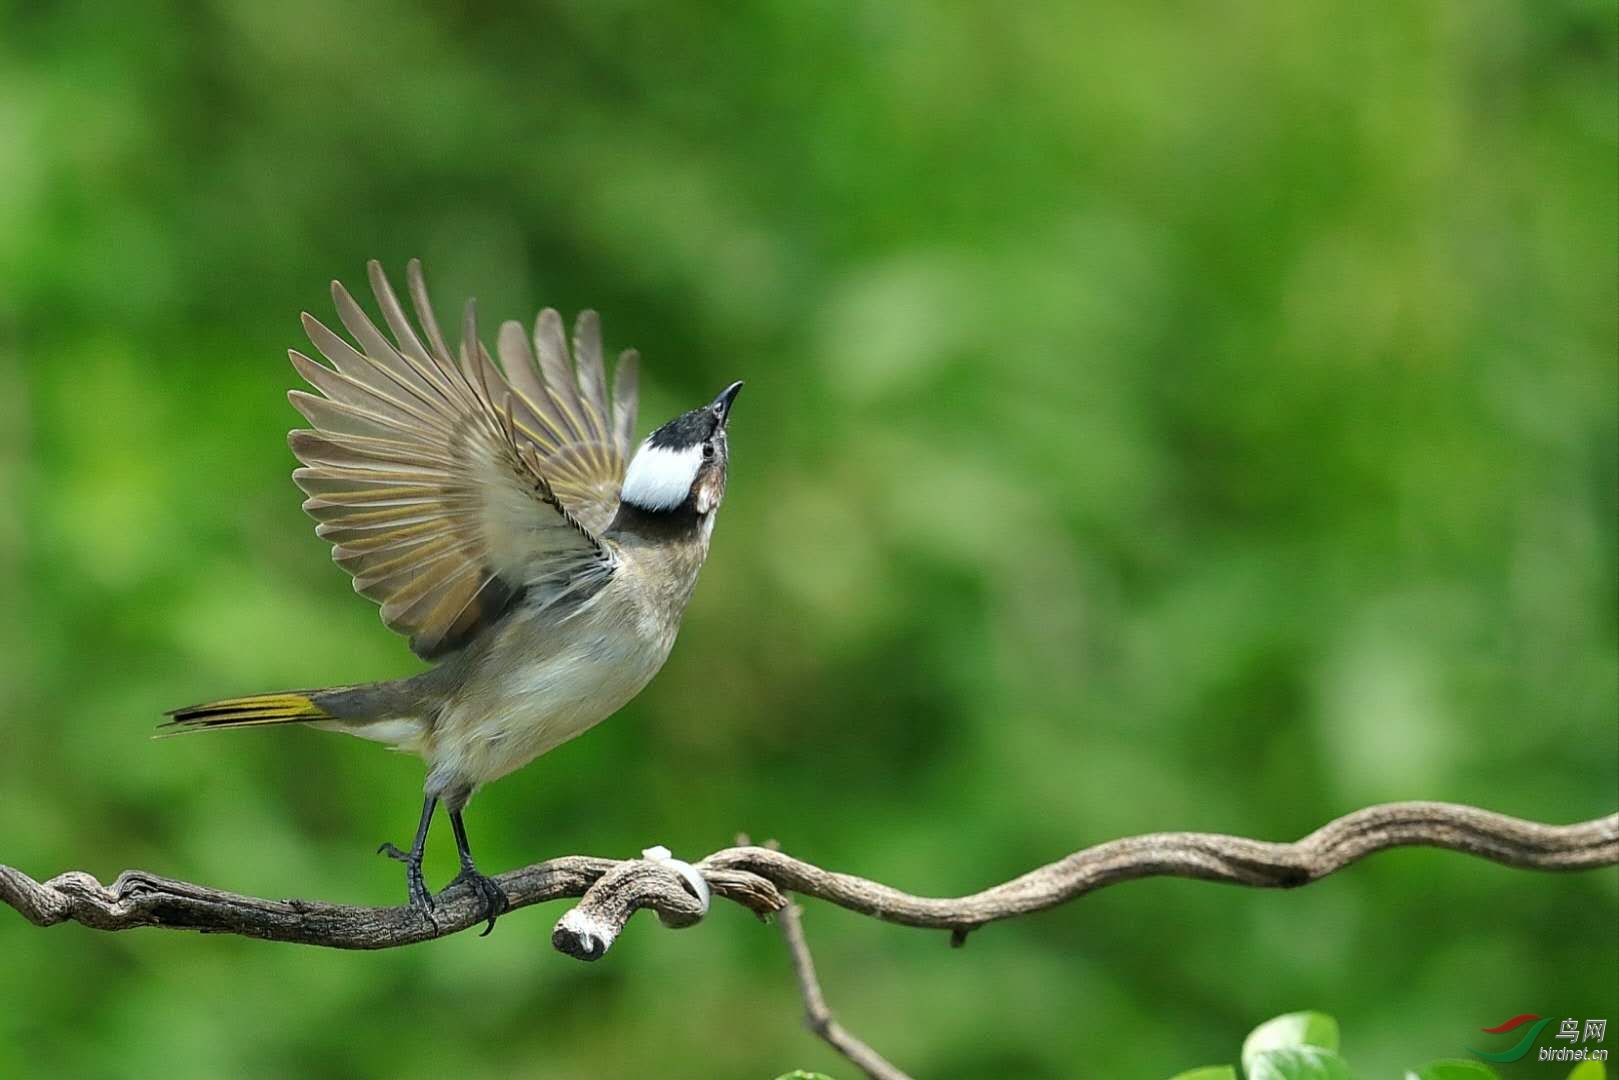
(498, 516)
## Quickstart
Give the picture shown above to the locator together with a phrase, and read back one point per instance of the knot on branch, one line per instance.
(589, 928)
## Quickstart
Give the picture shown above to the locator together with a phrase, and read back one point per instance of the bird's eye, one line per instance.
(708, 450)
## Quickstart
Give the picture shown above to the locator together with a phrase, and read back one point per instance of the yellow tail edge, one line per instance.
(253, 711)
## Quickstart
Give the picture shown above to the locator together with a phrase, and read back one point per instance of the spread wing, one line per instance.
(448, 487)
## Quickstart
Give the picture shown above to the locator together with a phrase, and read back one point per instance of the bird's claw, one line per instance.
(495, 900)
(415, 883)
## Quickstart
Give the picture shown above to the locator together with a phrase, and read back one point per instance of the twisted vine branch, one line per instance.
(1209, 857)
(611, 891)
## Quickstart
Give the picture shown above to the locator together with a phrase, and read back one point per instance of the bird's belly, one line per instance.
(510, 715)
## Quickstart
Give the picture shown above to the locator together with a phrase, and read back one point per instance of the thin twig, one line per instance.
(817, 1017)
(755, 877)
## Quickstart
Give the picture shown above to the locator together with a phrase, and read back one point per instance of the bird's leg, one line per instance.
(420, 899)
(494, 898)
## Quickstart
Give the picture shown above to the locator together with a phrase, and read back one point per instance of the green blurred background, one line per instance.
(1159, 416)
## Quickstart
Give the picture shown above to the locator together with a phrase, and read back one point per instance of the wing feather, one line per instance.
(424, 308)
(587, 354)
(626, 390)
(394, 314)
(562, 395)
(423, 378)
(449, 484)
(517, 357)
(392, 402)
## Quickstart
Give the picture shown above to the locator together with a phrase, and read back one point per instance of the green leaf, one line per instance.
(1452, 1069)
(1297, 1063)
(1589, 1070)
(1208, 1072)
(1288, 1030)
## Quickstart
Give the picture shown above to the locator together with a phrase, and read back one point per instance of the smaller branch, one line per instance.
(817, 1017)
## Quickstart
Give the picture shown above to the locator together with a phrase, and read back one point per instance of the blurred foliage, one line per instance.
(1305, 1046)
(1159, 416)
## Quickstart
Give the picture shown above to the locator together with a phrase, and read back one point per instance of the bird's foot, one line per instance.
(420, 898)
(495, 901)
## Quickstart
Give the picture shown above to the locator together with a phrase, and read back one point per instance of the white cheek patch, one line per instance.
(660, 478)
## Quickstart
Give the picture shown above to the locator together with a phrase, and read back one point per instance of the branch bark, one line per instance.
(611, 891)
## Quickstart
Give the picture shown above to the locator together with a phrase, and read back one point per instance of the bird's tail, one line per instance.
(289, 707)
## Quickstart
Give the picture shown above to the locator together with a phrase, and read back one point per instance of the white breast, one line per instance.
(546, 684)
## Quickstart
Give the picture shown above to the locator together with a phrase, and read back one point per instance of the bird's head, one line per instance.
(681, 466)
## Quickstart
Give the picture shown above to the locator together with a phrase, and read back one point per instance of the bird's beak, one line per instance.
(722, 404)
